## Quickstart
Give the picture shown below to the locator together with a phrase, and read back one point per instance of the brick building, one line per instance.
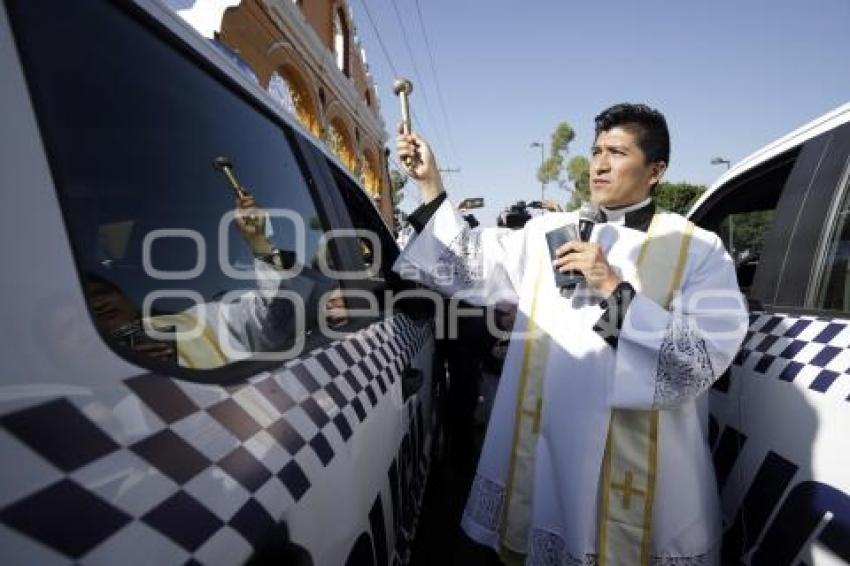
(306, 54)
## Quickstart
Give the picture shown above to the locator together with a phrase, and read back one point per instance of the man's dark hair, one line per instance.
(647, 124)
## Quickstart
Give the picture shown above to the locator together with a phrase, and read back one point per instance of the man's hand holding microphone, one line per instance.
(589, 259)
(579, 259)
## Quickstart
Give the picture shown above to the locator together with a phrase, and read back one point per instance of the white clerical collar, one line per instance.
(618, 215)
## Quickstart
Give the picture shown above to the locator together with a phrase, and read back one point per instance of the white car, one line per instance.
(780, 417)
(115, 450)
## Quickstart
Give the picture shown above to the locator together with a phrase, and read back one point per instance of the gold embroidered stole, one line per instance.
(197, 347)
(632, 445)
(629, 463)
(516, 512)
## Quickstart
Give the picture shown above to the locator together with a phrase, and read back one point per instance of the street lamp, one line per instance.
(726, 162)
(720, 160)
(542, 159)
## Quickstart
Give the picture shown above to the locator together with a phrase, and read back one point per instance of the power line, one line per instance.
(440, 98)
(388, 58)
(380, 41)
(416, 72)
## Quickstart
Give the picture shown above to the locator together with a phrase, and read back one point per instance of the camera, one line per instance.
(515, 216)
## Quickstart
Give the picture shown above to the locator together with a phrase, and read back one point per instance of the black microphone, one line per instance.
(588, 216)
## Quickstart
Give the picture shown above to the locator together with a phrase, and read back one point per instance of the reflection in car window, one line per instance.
(372, 288)
(131, 141)
(744, 236)
(365, 219)
(834, 291)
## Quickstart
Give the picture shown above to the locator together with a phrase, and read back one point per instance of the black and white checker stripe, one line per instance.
(187, 471)
(811, 352)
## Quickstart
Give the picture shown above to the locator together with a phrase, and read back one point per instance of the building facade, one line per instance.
(306, 54)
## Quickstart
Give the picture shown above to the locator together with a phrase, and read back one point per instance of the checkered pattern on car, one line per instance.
(159, 470)
(809, 351)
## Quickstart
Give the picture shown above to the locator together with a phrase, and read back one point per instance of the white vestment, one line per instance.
(663, 359)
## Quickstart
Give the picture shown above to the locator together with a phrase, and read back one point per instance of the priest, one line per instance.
(596, 451)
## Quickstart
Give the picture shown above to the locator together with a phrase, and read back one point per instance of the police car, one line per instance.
(780, 416)
(125, 136)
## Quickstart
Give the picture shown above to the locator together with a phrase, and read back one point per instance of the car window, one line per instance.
(376, 248)
(370, 252)
(744, 214)
(743, 234)
(145, 146)
(834, 288)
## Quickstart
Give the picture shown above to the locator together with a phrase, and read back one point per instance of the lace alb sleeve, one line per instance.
(684, 365)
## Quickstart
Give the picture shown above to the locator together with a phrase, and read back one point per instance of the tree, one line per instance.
(562, 137)
(749, 230)
(572, 175)
(677, 197)
(552, 168)
(397, 182)
(578, 172)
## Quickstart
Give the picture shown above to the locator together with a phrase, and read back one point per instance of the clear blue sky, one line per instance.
(729, 75)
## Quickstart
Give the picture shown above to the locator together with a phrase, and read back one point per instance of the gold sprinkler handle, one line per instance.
(223, 165)
(402, 88)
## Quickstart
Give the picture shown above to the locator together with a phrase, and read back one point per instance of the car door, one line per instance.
(776, 415)
(261, 449)
(377, 293)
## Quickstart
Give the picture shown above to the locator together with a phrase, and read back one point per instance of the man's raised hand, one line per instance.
(423, 167)
(251, 221)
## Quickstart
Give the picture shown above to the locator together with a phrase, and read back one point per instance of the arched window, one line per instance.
(341, 46)
(369, 175)
(282, 92)
(339, 140)
(290, 90)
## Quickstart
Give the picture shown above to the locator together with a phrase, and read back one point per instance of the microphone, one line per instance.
(588, 216)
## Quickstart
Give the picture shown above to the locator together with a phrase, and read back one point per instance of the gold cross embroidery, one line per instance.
(628, 490)
(535, 415)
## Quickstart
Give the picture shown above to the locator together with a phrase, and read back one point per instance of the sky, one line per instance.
(729, 75)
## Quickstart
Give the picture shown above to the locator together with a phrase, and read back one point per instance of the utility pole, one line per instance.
(542, 160)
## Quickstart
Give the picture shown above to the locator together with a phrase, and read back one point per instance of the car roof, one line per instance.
(824, 123)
